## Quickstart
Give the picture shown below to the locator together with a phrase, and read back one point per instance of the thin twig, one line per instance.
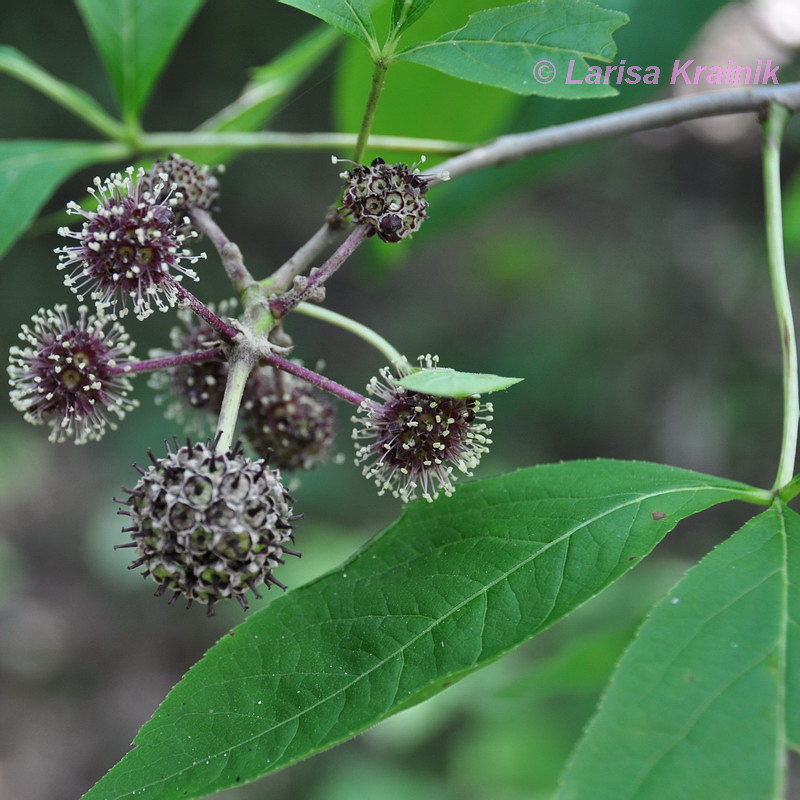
(167, 362)
(227, 333)
(326, 384)
(275, 140)
(229, 252)
(282, 278)
(280, 306)
(774, 126)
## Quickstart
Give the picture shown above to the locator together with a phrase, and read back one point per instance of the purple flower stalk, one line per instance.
(67, 376)
(410, 443)
(128, 249)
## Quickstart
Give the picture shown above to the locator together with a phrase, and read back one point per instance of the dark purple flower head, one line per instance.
(208, 524)
(192, 186)
(410, 443)
(199, 386)
(129, 249)
(387, 197)
(68, 376)
(287, 421)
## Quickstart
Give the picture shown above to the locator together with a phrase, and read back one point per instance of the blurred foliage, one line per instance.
(625, 281)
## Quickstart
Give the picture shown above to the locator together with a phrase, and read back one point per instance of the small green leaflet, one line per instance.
(349, 16)
(416, 8)
(446, 382)
(70, 97)
(528, 48)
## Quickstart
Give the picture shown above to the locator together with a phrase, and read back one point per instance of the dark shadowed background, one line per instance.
(626, 282)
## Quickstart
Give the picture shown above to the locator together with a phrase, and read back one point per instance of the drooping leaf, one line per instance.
(269, 84)
(71, 97)
(266, 90)
(349, 16)
(406, 12)
(446, 382)
(529, 48)
(135, 39)
(29, 172)
(448, 588)
(696, 708)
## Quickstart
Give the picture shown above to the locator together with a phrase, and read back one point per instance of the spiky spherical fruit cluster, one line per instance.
(129, 249)
(200, 385)
(209, 525)
(287, 421)
(71, 374)
(193, 186)
(410, 443)
(387, 197)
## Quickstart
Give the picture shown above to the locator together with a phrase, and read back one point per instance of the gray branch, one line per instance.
(660, 114)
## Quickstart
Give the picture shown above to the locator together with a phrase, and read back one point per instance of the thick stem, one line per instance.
(378, 77)
(280, 306)
(229, 251)
(238, 373)
(326, 384)
(226, 332)
(168, 362)
(393, 356)
(774, 126)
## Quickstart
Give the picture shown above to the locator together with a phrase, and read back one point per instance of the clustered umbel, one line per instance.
(69, 374)
(208, 522)
(209, 525)
(193, 186)
(129, 248)
(198, 386)
(287, 421)
(410, 443)
(387, 197)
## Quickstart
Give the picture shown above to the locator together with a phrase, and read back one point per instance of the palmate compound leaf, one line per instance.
(528, 48)
(449, 587)
(703, 700)
(446, 382)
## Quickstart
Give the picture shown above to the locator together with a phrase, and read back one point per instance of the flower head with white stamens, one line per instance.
(129, 248)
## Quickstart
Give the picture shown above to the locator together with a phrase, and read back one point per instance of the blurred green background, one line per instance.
(625, 281)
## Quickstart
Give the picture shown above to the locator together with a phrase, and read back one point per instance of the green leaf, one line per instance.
(406, 12)
(70, 97)
(30, 170)
(411, 91)
(349, 16)
(446, 382)
(530, 48)
(272, 82)
(266, 90)
(696, 708)
(135, 39)
(448, 588)
(793, 632)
